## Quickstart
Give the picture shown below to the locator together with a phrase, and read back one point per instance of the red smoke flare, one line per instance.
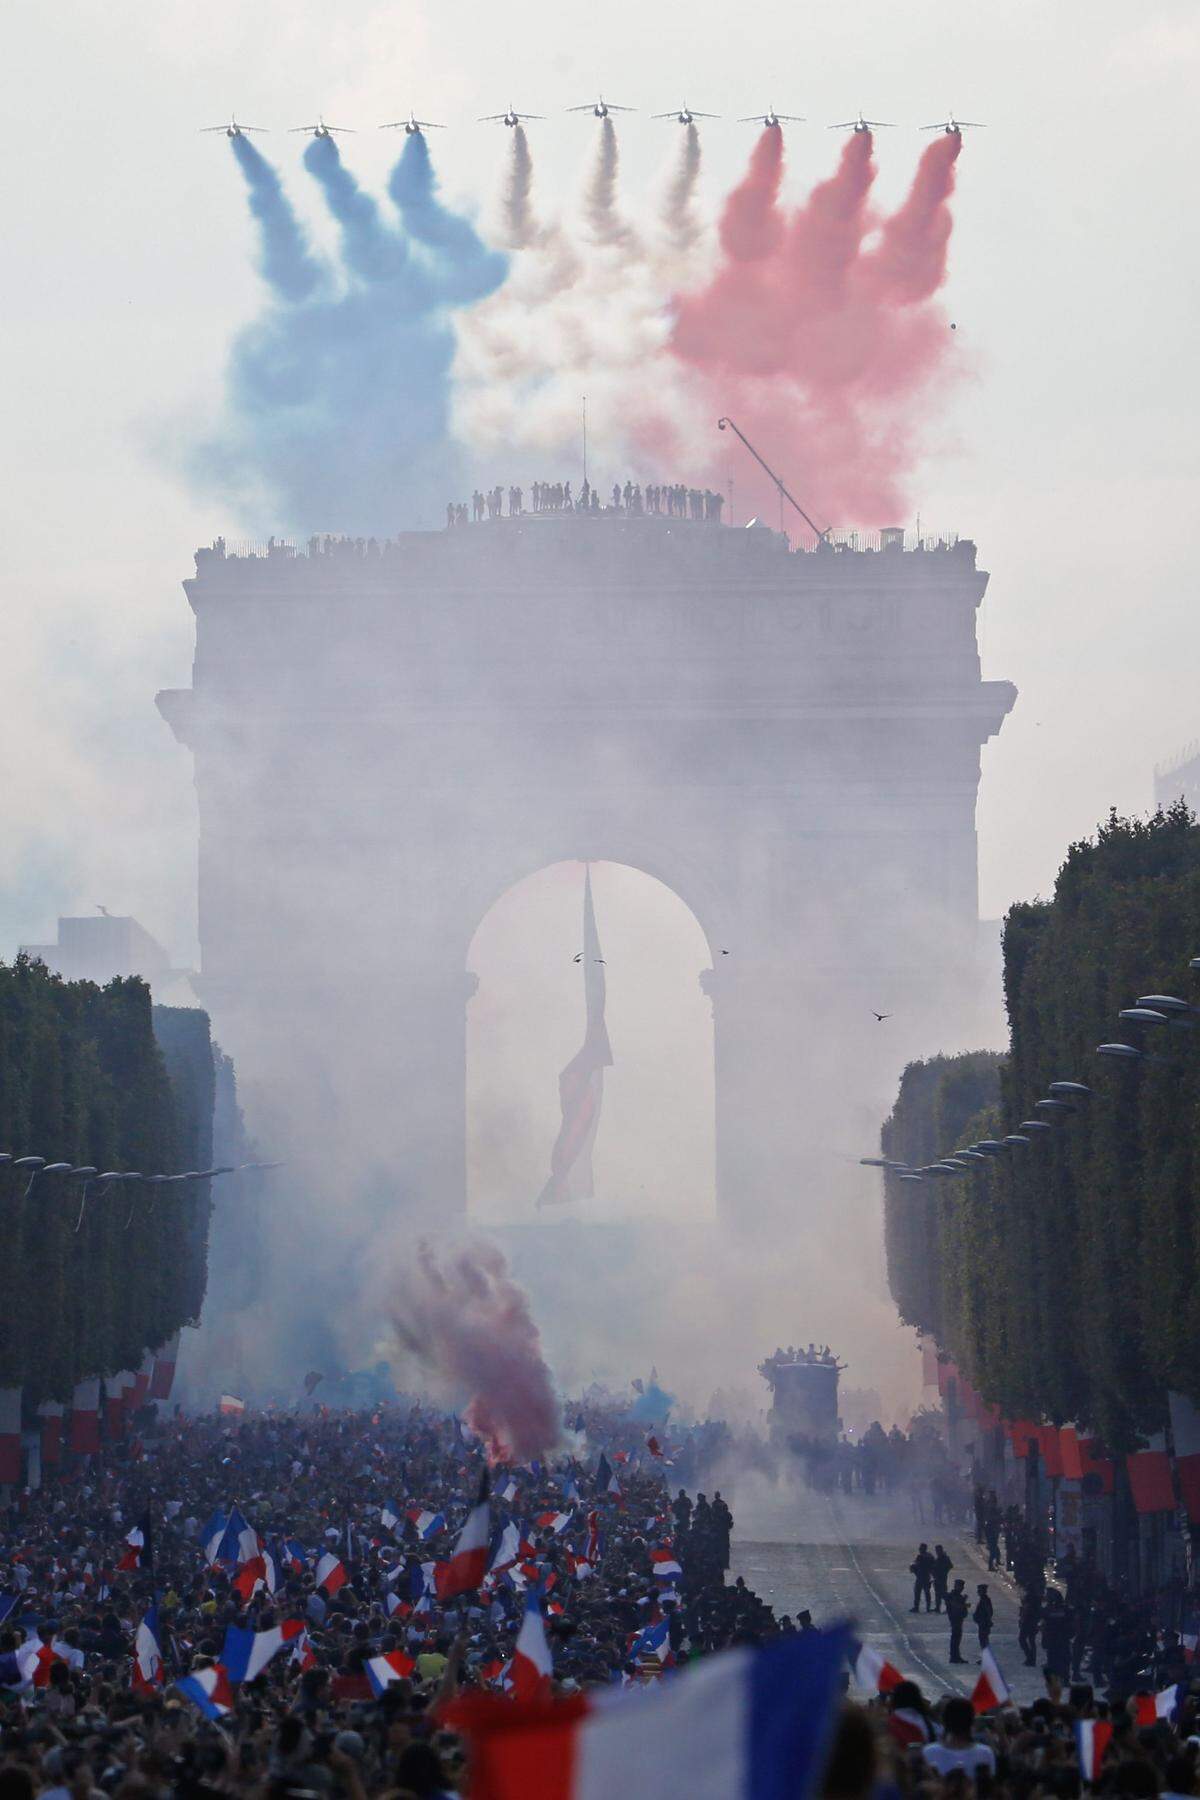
(825, 352)
(469, 1324)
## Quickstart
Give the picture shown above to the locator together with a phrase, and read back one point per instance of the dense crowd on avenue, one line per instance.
(276, 1606)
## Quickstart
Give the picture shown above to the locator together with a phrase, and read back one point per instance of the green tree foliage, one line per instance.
(935, 1102)
(1065, 1277)
(83, 1080)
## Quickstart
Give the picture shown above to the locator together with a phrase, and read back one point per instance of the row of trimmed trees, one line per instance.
(89, 1280)
(1064, 1278)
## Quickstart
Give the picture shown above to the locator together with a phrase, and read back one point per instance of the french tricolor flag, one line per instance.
(554, 1522)
(468, 1564)
(871, 1670)
(1148, 1709)
(390, 1516)
(246, 1654)
(1092, 1738)
(531, 1667)
(666, 1567)
(743, 1725)
(259, 1572)
(651, 1645)
(330, 1573)
(136, 1541)
(991, 1690)
(393, 1665)
(426, 1524)
(147, 1675)
(209, 1690)
(507, 1550)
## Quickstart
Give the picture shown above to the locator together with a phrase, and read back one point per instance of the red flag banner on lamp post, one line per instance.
(581, 1084)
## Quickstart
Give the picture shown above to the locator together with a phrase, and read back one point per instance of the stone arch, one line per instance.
(525, 1020)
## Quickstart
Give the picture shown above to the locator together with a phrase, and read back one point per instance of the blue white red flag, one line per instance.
(469, 1561)
(506, 1549)
(426, 1524)
(246, 1654)
(528, 1674)
(554, 1522)
(871, 1669)
(581, 1084)
(330, 1573)
(991, 1690)
(743, 1725)
(393, 1665)
(209, 1690)
(1148, 1709)
(1092, 1738)
(147, 1674)
(666, 1565)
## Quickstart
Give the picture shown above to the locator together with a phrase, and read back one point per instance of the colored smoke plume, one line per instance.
(751, 222)
(586, 310)
(468, 1324)
(338, 394)
(287, 264)
(820, 348)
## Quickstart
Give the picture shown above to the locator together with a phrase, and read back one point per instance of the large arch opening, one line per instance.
(654, 1153)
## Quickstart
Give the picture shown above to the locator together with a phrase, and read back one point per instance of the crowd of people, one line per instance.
(350, 1515)
(1072, 1620)
(674, 501)
(127, 1586)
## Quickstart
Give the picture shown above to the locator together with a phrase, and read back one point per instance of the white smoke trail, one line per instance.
(600, 210)
(520, 226)
(680, 223)
(584, 311)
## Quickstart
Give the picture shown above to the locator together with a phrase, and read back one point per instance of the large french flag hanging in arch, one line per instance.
(581, 1084)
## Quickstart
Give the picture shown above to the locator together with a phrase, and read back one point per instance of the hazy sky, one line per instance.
(1070, 454)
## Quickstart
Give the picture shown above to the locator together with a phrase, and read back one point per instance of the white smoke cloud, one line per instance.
(587, 310)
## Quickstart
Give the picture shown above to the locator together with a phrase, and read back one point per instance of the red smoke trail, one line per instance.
(822, 350)
(910, 262)
(751, 222)
(469, 1324)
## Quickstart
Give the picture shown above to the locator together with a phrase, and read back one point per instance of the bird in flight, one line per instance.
(102, 909)
(879, 1017)
(578, 958)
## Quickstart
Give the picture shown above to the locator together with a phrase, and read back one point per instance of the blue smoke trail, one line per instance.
(469, 270)
(372, 250)
(287, 263)
(339, 395)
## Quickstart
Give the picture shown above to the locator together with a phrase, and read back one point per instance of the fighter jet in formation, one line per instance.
(511, 118)
(955, 127)
(861, 124)
(771, 120)
(412, 126)
(601, 108)
(321, 129)
(685, 115)
(233, 129)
